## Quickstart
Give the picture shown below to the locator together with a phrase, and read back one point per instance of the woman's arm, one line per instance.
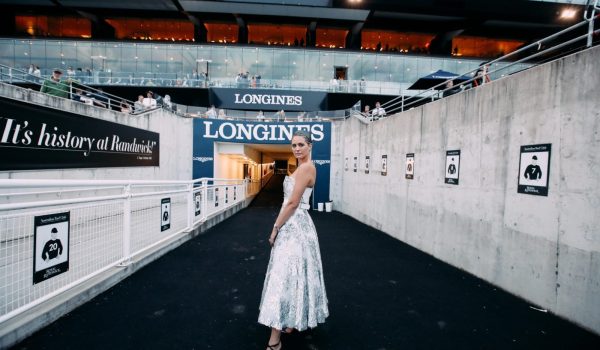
(304, 176)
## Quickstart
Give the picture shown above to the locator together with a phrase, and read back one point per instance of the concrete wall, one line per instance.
(175, 141)
(543, 249)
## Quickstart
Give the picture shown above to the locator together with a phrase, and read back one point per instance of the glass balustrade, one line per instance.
(186, 65)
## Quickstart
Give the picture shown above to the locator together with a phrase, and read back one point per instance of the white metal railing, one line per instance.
(72, 89)
(111, 221)
(493, 68)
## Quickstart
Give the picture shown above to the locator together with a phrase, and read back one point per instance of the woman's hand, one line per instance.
(273, 236)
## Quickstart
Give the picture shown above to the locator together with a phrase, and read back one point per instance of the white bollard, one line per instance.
(320, 206)
(328, 206)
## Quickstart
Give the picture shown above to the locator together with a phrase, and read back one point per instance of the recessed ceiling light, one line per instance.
(568, 13)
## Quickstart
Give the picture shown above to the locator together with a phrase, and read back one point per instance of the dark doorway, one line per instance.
(341, 73)
(281, 167)
(246, 173)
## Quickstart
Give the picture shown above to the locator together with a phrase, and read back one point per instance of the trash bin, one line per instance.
(320, 206)
(328, 206)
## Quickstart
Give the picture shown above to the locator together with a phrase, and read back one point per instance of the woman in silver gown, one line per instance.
(293, 294)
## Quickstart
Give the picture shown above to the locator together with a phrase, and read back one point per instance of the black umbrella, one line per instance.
(436, 78)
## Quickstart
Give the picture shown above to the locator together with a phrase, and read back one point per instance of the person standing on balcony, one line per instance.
(362, 85)
(367, 111)
(481, 75)
(149, 101)
(138, 106)
(37, 73)
(54, 86)
(211, 113)
(378, 111)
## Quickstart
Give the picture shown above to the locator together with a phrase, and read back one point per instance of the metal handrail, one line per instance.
(432, 92)
(70, 87)
(187, 196)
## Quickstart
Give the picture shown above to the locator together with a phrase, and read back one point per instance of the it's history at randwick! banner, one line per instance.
(38, 137)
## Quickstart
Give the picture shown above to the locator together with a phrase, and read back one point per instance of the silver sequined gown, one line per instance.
(294, 290)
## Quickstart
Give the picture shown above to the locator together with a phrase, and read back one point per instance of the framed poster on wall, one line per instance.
(452, 167)
(410, 166)
(534, 169)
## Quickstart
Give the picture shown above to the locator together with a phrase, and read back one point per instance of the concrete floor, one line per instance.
(383, 294)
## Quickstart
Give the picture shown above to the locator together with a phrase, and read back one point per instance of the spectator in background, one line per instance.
(80, 96)
(77, 95)
(159, 99)
(167, 102)
(125, 107)
(195, 78)
(450, 89)
(31, 69)
(70, 72)
(211, 113)
(138, 106)
(100, 99)
(280, 115)
(222, 114)
(362, 85)
(367, 111)
(378, 111)
(260, 117)
(481, 75)
(54, 86)
(37, 73)
(204, 78)
(334, 84)
(149, 101)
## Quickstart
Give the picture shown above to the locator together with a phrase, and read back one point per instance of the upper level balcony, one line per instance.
(203, 66)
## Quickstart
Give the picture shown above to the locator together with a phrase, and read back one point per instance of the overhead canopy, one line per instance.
(436, 78)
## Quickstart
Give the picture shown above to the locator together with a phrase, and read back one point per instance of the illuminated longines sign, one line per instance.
(258, 132)
(207, 132)
(256, 99)
(268, 99)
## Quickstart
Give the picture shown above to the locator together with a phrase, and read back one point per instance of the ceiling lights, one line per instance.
(568, 13)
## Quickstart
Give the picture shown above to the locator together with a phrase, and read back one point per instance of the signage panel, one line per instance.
(209, 131)
(268, 99)
(38, 137)
(534, 169)
(452, 167)
(51, 246)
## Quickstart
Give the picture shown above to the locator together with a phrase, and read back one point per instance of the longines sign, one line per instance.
(268, 99)
(251, 132)
(285, 100)
(208, 132)
(36, 137)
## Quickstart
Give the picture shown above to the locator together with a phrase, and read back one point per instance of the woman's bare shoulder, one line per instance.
(308, 168)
